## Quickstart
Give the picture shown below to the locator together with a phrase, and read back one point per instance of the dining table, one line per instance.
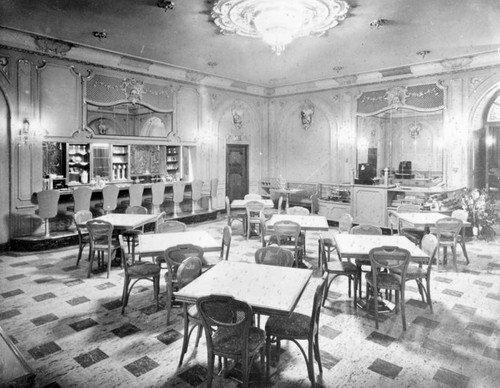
(128, 221)
(268, 289)
(286, 193)
(358, 247)
(242, 203)
(311, 222)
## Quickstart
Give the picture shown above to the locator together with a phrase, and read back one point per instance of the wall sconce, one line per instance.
(100, 34)
(28, 135)
(165, 5)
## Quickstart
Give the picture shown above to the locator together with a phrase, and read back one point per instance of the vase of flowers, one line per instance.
(482, 212)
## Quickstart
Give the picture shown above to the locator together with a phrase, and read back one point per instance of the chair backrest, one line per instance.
(178, 188)
(316, 307)
(391, 258)
(345, 223)
(315, 203)
(222, 313)
(429, 245)
(461, 214)
(131, 239)
(135, 192)
(47, 203)
(254, 209)
(280, 204)
(81, 197)
(171, 226)
(100, 232)
(196, 188)
(214, 184)
(188, 270)
(80, 218)
(408, 208)
(127, 257)
(449, 227)
(175, 255)
(323, 256)
(274, 255)
(366, 229)
(393, 221)
(110, 197)
(157, 193)
(136, 210)
(253, 197)
(227, 235)
(298, 211)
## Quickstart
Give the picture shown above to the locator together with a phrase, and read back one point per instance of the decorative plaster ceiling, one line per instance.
(187, 37)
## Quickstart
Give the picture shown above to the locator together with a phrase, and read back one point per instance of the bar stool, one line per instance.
(157, 197)
(178, 197)
(196, 187)
(110, 198)
(135, 192)
(81, 198)
(47, 207)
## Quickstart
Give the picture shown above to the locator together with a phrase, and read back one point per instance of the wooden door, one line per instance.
(236, 171)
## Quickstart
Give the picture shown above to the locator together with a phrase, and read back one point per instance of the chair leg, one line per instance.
(80, 251)
(355, 293)
(109, 262)
(402, 301)
(125, 294)
(268, 357)
(464, 250)
(428, 291)
(262, 365)
(310, 362)
(91, 260)
(156, 290)
(317, 354)
(210, 369)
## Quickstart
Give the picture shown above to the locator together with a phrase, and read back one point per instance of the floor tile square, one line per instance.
(114, 304)
(417, 303)
(450, 378)
(93, 357)
(438, 346)
(83, 324)
(380, 338)
(482, 283)
(42, 297)
(70, 268)
(104, 286)
(493, 353)
(44, 266)
(15, 277)
(425, 322)
(19, 264)
(44, 350)
(481, 329)
(42, 320)
(169, 337)
(464, 310)
(447, 291)
(10, 294)
(493, 296)
(327, 360)
(385, 368)
(441, 279)
(78, 300)
(141, 366)
(125, 330)
(73, 282)
(151, 309)
(328, 332)
(43, 280)
(194, 376)
(9, 314)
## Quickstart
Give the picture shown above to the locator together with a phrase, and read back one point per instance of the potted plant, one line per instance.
(482, 212)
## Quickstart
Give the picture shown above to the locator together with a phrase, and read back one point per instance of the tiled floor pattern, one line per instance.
(70, 330)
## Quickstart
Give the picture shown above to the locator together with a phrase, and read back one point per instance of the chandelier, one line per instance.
(278, 22)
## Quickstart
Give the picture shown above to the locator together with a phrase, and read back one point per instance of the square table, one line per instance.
(242, 203)
(128, 221)
(268, 289)
(306, 222)
(286, 193)
(155, 244)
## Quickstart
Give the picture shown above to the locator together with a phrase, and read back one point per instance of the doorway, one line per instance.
(236, 171)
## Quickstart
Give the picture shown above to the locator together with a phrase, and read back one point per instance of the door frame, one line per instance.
(229, 146)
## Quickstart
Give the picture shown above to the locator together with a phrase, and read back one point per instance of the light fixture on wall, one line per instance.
(165, 5)
(29, 135)
(278, 22)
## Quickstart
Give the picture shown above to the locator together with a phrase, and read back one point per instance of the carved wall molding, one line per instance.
(83, 134)
(457, 63)
(4, 66)
(133, 90)
(306, 114)
(194, 76)
(89, 75)
(53, 46)
(237, 112)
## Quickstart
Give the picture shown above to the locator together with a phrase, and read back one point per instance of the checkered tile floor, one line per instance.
(70, 330)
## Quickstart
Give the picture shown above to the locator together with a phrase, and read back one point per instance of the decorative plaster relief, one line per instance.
(335, 98)
(133, 89)
(237, 110)
(83, 134)
(306, 114)
(213, 100)
(4, 66)
(457, 63)
(270, 92)
(53, 46)
(194, 76)
(396, 97)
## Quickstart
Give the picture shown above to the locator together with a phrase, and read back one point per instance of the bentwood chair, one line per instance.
(189, 270)
(413, 234)
(80, 218)
(172, 258)
(448, 232)
(422, 271)
(464, 216)
(298, 327)
(101, 243)
(230, 334)
(385, 261)
(274, 255)
(235, 215)
(338, 268)
(255, 212)
(135, 271)
(227, 235)
(345, 225)
(171, 226)
(287, 234)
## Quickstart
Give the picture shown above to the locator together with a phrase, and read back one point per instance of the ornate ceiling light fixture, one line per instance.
(278, 22)
(165, 5)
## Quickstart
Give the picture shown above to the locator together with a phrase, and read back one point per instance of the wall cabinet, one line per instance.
(78, 163)
(120, 163)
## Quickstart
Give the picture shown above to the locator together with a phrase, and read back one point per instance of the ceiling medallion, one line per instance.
(278, 22)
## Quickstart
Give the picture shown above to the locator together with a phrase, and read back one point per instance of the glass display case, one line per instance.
(78, 164)
(120, 163)
(335, 200)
